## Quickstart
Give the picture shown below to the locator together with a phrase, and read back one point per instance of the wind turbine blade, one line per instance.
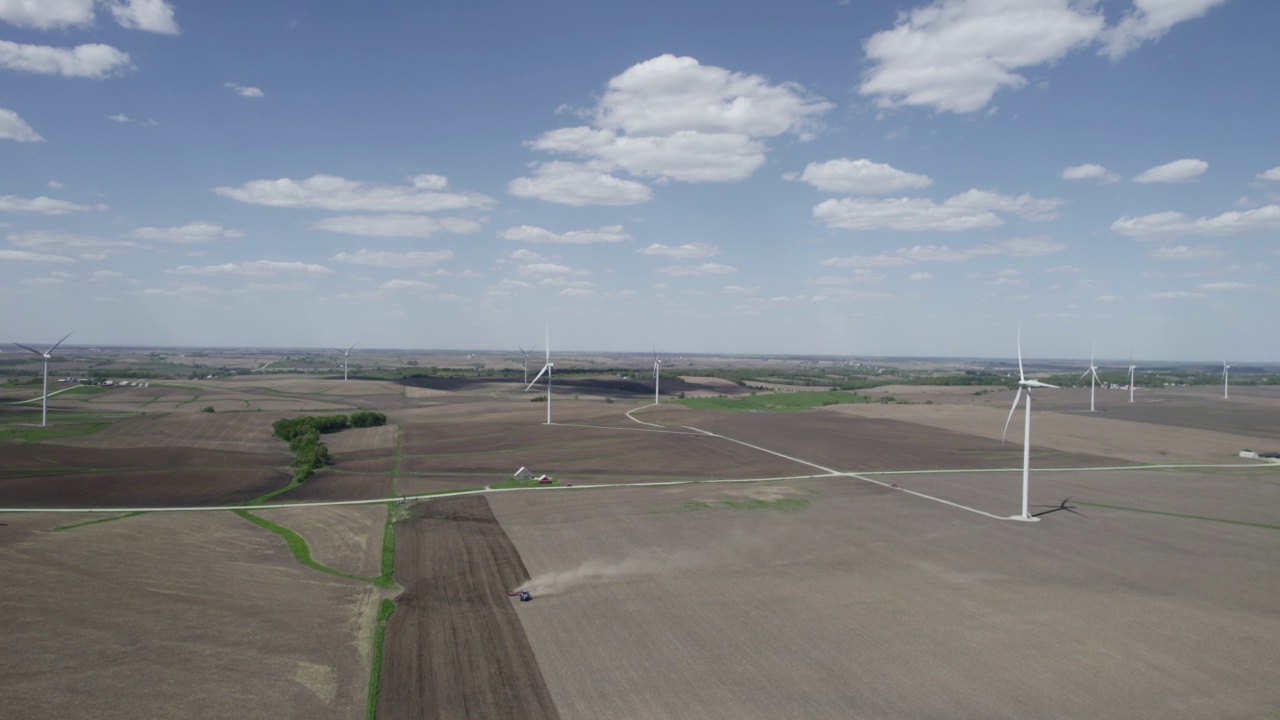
(64, 339)
(1021, 376)
(353, 346)
(536, 377)
(1084, 374)
(547, 331)
(24, 347)
(1013, 409)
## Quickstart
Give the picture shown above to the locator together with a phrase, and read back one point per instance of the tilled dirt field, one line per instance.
(583, 454)
(346, 537)
(176, 615)
(236, 432)
(329, 485)
(846, 443)
(455, 647)
(138, 488)
(867, 602)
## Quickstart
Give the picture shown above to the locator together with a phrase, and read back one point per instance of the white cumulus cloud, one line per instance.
(953, 55)
(1016, 247)
(254, 268)
(673, 118)
(1149, 20)
(47, 14)
(1090, 171)
(329, 192)
(970, 210)
(151, 15)
(397, 225)
(196, 232)
(696, 270)
(41, 205)
(416, 258)
(1173, 224)
(28, 256)
(861, 177)
(244, 90)
(13, 127)
(578, 184)
(1273, 174)
(1186, 252)
(534, 234)
(1177, 171)
(89, 246)
(690, 251)
(90, 61)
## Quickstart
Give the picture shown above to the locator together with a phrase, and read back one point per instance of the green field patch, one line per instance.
(775, 402)
(302, 552)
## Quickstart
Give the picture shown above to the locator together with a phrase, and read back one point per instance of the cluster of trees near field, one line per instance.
(303, 435)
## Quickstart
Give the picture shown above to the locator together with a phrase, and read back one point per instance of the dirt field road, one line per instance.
(455, 647)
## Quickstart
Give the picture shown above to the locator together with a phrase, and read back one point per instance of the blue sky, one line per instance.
(906, 178)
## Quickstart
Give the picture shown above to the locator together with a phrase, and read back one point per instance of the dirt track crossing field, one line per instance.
(455, 647)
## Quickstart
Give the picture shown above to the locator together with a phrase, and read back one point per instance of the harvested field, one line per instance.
(344, 537)
(363, 439)
(37, 458)
(384, 464)
(239, 432)
(867, 602)
(587, 453)
(846, 443)
(142, 488)
(178, 615)
(329, 485)
(455, 647)
(1070, 432)
(423, 484)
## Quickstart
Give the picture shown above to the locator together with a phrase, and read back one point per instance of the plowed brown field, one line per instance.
(455, 647)
(138, 488)
(340, 486)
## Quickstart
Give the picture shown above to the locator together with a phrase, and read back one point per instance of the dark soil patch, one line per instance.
(340, 486)
(156, 488)
(851, 444)
(46, 457)
(365, 465)
(455, 647)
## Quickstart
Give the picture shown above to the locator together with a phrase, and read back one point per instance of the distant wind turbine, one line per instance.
(1093, 370)
(1132, 367)
(525, 353)
(345, 354)
(657, 375)
(1024, 384)
(1226, 380)
(545, 369)
(46, 355)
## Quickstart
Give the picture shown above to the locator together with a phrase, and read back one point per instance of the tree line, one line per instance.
(303, 435)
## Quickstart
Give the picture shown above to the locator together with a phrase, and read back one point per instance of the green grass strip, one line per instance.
(99, 520)
(302, 553)
(375, 672)
(1179, 515)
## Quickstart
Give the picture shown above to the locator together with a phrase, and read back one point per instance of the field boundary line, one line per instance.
(891, 486)
(627, 429)
(38, 397)
(828, 470)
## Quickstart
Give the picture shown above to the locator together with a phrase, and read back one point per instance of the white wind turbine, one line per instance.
(545, 369)
(1132, 367)
(1226, 380)
(345, 354)
(46, 355)
(1024, 384)
(1093, 370)
(525, 353)
(657, 375)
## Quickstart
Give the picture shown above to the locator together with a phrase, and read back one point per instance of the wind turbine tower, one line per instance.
(46, 355)
(1024, 384)
(1093, 370)
(1226, 380)
(525, 353)
(657, 375)
(345, 354)
(545, 369)
(1132, 367)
